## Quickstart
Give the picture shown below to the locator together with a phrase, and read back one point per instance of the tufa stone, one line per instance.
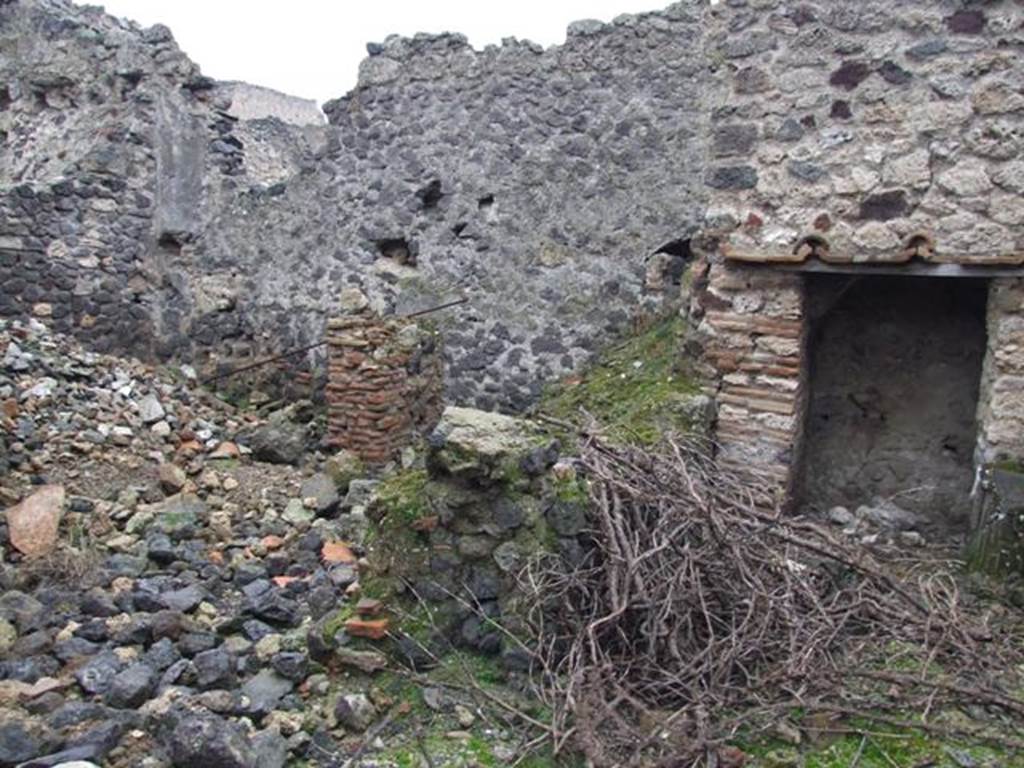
(33, 524)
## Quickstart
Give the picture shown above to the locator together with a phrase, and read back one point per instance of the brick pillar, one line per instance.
(384, 384)
(752, 332)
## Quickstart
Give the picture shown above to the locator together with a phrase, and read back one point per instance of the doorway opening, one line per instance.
(895, 369)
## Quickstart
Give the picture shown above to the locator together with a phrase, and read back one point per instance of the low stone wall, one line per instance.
(384, 384)
(456, 534)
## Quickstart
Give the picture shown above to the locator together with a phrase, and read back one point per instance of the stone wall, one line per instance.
(867, 123)
(116, 151)
(457, 534)
(537, 183)
(1001, 406)
(545, 185)
(383, 385)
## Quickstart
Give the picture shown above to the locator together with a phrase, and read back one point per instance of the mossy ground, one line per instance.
(634, 389)
(880, 748)
(403, 497)
(868, 744)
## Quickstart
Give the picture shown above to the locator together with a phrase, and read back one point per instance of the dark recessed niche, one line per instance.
(457, 229)
(5, 98)
(398, 249)
(430, 195)
(485, 202)
(679, 255)
(171, 243)
(679, 248)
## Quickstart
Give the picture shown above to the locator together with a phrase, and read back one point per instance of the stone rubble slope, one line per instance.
(158, 583)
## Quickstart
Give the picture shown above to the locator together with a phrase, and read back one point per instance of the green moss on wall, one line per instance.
(636, 390)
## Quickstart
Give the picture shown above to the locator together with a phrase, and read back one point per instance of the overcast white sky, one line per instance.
(312, 48)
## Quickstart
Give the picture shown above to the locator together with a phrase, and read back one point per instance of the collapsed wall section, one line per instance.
(116, 153)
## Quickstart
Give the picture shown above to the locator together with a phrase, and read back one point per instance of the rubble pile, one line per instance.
(158, 583)
(184, 582)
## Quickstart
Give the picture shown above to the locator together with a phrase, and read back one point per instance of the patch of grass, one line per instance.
(403, 497)
(878, 746)
(637, 390)
(336, 621)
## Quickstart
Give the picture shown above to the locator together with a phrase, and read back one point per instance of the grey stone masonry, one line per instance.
(143, 213)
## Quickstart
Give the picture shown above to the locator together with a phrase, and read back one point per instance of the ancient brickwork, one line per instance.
(752, 324)
(384, 384)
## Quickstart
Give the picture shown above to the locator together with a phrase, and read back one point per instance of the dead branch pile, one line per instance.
(697, 615)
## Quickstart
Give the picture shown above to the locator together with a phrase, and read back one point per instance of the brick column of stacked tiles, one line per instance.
(384, 384)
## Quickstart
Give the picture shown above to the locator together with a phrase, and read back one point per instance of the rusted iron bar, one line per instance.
(438, 308)
(308, 347)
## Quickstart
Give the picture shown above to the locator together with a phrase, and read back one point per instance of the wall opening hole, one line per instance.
(811, 245)
(172, 243)
(485, 202)
(458, 228)
(430, 195)
(894, 375)
(667, 265)
(399, 250)
(920, 245)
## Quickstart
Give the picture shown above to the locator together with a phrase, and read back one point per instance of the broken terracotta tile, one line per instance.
(371, 630)
(33, 524)
(226, 450)
(335, 552)
(426, 524)
(368, 606)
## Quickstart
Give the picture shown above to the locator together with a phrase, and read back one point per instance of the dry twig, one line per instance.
(698, 614)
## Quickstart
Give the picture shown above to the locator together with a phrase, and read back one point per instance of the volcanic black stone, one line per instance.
(210, 741)
(215, 669)
(849, 75)
(29, 670)
(197, 642)
(255, 630)
(274, 607)
(161, 549)
(98, 603)
(17, 743)
(884, 206)
(33, 644)
(75, 648)
(162, 654)
(184, 599)
(136, 631)
(292, 665)
(265, 690)
(97, 674)
(167, 624)
(321, 601)
(131, 687)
